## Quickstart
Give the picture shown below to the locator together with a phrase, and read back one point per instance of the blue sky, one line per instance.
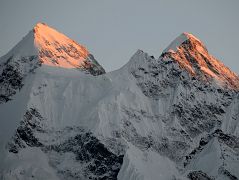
(113, 30)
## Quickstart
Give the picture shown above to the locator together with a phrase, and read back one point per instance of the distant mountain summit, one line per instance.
(43, 46)
(62, 117)
(54, 49)
(193, 56)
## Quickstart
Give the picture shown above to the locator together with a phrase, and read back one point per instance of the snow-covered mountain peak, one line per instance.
(192, 55)
(52, 48)
(56, 49)
(151, 119)
(47, 38)
(42, 46)
(175, 44)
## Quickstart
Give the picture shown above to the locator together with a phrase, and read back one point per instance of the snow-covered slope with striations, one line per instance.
(162, 118)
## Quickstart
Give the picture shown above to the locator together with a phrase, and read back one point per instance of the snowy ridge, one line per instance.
(164, 118)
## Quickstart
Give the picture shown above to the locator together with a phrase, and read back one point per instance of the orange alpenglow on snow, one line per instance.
(55, 49)
(192, 55)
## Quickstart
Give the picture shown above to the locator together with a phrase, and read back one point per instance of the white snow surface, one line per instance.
(132, 111)
(140, 165)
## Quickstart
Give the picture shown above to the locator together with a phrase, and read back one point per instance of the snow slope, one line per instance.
(165, 118)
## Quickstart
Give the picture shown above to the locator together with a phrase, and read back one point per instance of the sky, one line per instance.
(113, 30)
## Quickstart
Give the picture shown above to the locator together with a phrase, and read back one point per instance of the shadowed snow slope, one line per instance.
(175, 117)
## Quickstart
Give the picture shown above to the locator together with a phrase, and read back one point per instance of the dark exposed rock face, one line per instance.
(95, 68)
(99, 162)
(227, 174)
(24, 135)
(13, 74)
(10, 82)
(199, 175)
(94, 159)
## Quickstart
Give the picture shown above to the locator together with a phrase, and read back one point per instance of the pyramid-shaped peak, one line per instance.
(44, 31)
(182, 39)
(55, 45)
(192, 55)
(53, 48)
(41, 27)
(56, 49)
(40, 24)
(191, 37)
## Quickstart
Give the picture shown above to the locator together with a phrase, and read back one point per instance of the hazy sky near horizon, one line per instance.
(113, 30)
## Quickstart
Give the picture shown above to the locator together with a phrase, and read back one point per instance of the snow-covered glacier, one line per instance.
(167, 118)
